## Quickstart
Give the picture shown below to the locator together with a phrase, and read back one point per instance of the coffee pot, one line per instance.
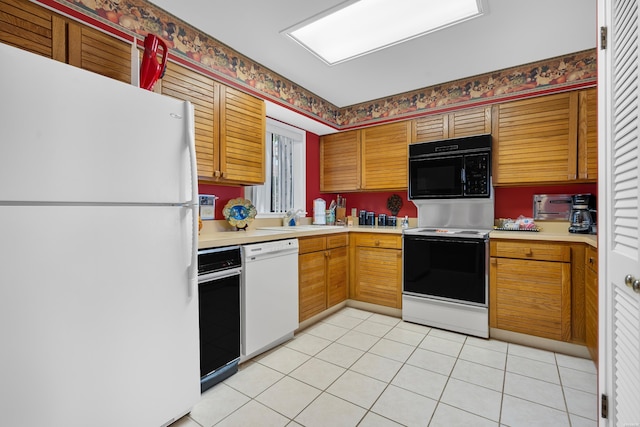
(583, 214)
(151, 70)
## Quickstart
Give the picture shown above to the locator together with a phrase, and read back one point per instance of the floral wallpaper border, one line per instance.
(190, 46)
(551, 75)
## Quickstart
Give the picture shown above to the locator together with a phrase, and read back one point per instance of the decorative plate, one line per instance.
(239, 212)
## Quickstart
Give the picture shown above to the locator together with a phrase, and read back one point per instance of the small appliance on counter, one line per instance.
(319, 211)
(583, 214)
(552, 207)
(207, 203)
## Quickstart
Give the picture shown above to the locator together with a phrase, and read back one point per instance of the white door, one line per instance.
(619, 205)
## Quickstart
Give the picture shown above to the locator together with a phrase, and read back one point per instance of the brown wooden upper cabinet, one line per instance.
(31, 27)
(472, 121)
(537, 140)
(28, 26)
(588, 135)
(229, 126)
(384, 156)
(241, 137)
(340, 165)
(100, 53)
(369, 159)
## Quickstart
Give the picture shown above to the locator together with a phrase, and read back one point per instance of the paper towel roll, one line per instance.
(319, 207)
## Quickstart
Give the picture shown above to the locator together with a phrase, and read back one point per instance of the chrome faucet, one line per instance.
(291, 217)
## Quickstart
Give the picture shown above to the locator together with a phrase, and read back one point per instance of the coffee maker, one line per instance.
(583, 214)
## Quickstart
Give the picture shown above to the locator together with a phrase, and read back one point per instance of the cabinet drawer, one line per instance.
(337, 240)
(531, 250)
(591, 258)
(311, 244)
(379, 240)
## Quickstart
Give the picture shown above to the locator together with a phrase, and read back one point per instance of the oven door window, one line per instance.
(436, 177)
(451, 269)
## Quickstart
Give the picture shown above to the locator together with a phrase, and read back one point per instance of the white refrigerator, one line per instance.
(98, 250)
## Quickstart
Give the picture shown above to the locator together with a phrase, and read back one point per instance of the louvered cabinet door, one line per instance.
(242, 137)
(312, 288)
(181, 83)
(340, 162)
(337, 275)
(535, 140)
(531, 297)
(30, 27)
(100, 53)
(588, 136)
(591, 302)
(430, 128)
(469, 122)
(378, 276)
(384, 156)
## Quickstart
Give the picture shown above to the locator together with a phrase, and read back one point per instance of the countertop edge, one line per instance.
(242, 237)
(567, 237)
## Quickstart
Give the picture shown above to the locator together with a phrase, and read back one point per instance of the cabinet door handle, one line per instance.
(377, 243)
(217, 174)
(591, 260)
(528, 252)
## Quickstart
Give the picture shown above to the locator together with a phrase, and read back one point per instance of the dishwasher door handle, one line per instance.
(268, 255)
(217, 275)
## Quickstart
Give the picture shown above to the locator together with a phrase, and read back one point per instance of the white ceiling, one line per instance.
(511, 33)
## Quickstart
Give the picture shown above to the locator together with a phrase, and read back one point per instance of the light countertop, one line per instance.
(549, 231)
(219, 234)
(219, 238)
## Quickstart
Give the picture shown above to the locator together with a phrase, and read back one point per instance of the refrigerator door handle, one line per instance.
(193, 204)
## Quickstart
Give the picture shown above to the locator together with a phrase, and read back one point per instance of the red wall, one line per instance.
(224, 194)
(513, 202)
(509, 202)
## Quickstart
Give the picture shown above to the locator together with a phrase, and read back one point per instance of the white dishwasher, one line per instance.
(269, 295)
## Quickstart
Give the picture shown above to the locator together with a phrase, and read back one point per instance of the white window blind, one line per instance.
(284, 188)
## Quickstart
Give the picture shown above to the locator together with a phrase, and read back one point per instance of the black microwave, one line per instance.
(451, 169)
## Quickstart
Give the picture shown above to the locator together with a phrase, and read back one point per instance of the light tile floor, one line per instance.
(357, 368)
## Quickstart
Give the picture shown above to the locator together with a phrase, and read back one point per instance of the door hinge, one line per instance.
(603, 37)
(604, 406)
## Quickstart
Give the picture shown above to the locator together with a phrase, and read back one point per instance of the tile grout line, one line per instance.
(564, 396)
(388, 383)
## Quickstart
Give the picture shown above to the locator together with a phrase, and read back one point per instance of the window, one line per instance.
(284, 187)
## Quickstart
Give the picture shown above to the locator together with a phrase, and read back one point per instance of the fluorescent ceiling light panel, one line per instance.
(370, 25)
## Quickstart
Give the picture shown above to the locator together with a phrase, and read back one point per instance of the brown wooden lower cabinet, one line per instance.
(323, 266)
(377, 269)
(591, 302)
(530, 288)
